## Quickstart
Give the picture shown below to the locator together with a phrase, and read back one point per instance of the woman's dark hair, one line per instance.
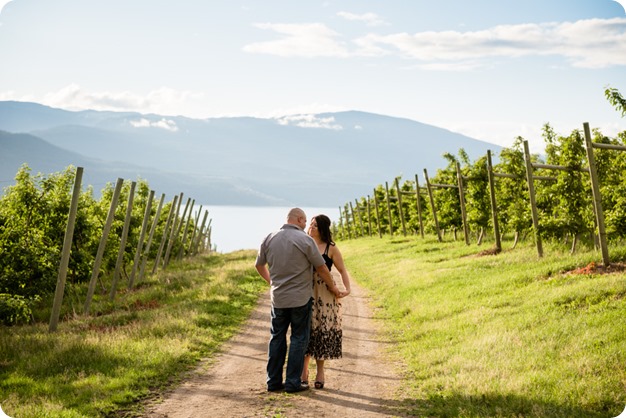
(323, 227)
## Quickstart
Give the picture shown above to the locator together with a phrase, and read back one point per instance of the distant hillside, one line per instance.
(313, 160)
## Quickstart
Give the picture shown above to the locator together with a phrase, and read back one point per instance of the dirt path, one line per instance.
(361, 384)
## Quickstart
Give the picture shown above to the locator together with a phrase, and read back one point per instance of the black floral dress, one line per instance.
(326, 334)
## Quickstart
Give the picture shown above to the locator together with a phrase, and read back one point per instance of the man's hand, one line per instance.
(264, 272)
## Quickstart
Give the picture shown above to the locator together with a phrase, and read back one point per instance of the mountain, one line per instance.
(306, 160)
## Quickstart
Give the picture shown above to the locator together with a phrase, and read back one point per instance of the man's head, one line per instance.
(296, 216)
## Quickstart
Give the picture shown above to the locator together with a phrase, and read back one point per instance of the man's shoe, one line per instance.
(276, 389)
(298, 389)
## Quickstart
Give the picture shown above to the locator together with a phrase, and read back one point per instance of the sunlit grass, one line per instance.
(508, 335)
(147, 338)
(503, 335)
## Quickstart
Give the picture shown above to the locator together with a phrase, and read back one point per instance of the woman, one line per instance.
(326, 334)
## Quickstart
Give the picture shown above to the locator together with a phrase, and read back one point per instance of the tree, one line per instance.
(33, 219)
(512, 193)
(570, 212)
(615, 98)
(447, 203)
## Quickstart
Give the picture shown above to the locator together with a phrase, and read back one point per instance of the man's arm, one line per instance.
(264, 272)
(324, 273)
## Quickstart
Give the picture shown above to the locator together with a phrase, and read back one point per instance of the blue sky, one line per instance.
(490, 69)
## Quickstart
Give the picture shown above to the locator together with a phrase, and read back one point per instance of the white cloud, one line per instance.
(309, 121)
(167, 124)
(593, 43)
(300, 40)
(370, 19)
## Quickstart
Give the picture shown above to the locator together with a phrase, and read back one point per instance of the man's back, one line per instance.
(290, 254)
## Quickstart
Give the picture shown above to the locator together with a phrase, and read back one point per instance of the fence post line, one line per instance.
(181, 252)
(597, 197)
(209, 230)
(369, 216)
(65, 255)
(432, 205)
(166, 231)
(200, 232)
(146, 252)
(494, 208)
(400, 210)
(356, 231)
(419, 205)
(142, 234)
(358, 216)
(358, 213)
(176, 225)
(389, 209)
(459, 180)
(193, 232)
(122, 249)
(347, 216)
(380, 232)
(102, 245)
(340, 224)
(533, 203)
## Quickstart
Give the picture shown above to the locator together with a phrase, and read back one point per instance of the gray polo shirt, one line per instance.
(290, 254)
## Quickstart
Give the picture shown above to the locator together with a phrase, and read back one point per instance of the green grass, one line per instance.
(508, 335)
(101, 365)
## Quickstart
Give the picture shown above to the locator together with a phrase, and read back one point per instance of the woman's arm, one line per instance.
(337, 258)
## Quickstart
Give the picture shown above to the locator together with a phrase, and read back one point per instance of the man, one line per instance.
(291, 255)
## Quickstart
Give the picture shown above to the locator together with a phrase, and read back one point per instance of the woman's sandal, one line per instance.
(319, 385)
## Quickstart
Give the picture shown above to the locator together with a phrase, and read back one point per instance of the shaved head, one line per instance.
(294, 213)
(296, 216)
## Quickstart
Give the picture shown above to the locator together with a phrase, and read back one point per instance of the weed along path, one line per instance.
(362, 384)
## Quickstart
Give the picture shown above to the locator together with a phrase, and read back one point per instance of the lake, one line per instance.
(244, 227)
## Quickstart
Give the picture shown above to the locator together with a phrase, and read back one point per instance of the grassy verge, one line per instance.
(103, 364)
(509, 335)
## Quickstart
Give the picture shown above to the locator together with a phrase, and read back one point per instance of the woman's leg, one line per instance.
(305, 369)
(319, 377)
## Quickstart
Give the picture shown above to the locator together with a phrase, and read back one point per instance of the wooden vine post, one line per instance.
(200, 232)
(380, 232)
(142, 235)
(432, 206)
(358, 232)
(124, 237)
(400, 207)
(181, 252)
(494, 209)
(155, 222)
(170, 217)
(369, 216)
(533, 203)
(102, 245)
(175, 232)
(597, 197)
(340, 224)
(358, 214)
(65, 255)
(459, 179)
(418, 204)
(347, 216)
(388, 198)
(193, 232)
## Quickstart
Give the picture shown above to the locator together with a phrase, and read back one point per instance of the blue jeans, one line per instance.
(300, 321)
